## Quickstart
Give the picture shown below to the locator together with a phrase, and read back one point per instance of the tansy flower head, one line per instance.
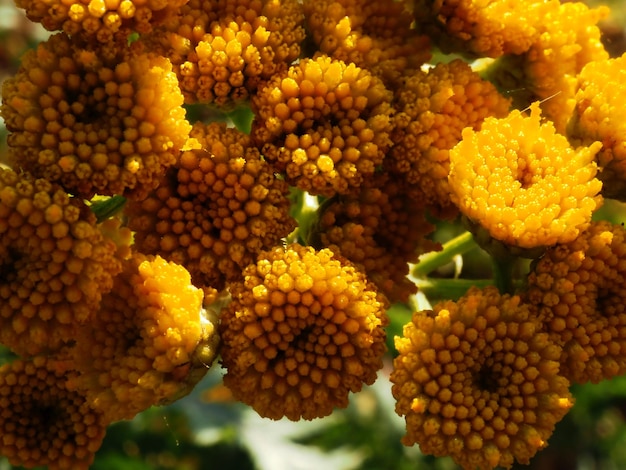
(102, 20)
(579, 289)
(94, 123)
(432, 109)
(371, 34)
(482, 28)
(523, 183)
(42, 422)
(569, 39)
(598, 116)
(302, 331)
(54, 264)
(324, 123)
(140, 347)
(476, 380)
(219, 208)
(222, 50)
(380, 230)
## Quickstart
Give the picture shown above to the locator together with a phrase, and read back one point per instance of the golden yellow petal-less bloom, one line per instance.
(100, 20)
(142, 342)
(523, 183)
(324, 124)
(380, 230)
(221, 206)
(374, 35)
(476, 380)
(54, 264)
(432, 109)
(579, 289)
(303, 330)
(484, 28)
(95, 122)
(222, 50)
(599, 116)
(42, 423)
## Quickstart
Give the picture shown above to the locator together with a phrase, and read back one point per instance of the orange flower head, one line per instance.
(42, 423)
(476, 380)
(523, 183)
(223, 50)
(432, 109)
(303, 330)
(380, 230)
(94, 122)
(99, 20)
(598, 116)
(579, 290)
(55, 264)
(141, 345)
(374, 35)
(324, 123)
(482, 28)
(221, 206)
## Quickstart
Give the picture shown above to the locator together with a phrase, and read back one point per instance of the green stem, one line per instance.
(431, 261)
(451, 289)
(106, 208)
(503, 274)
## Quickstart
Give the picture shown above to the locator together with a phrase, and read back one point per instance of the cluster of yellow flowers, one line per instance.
(139, 241)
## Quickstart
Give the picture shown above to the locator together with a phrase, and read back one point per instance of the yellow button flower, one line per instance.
(140, 348)
(476, 380)
(94, 120)
(55, 264)
(302, 331)
(42, 423)
(579, 289)
(324, 123)
(523, 183)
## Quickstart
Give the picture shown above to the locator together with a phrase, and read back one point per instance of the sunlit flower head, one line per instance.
(302, 331)
(95, 123)
(141, 345)
(324, 123)
(476, 381)
(371, 34)
(221, 206)
(599, 116)
(432, 109)
(487, 28)
(223, 50)
(380, 230)
(579, 289)
(523, 183)
(42, 423)
(54, 264)
(100, 20)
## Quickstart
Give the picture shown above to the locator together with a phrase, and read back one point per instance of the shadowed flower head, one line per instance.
(42, 422)
(141, 347)
(579, 289)
(484, 28)
(302, 331)
(432, 109)
(477, 381)
(94, 122)
(102, 20)
(371, 34)
(54, 264)
(523, 183)
(380, 230)
(324, 123)
(599, 116)
(221, 206)
(222, 50)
